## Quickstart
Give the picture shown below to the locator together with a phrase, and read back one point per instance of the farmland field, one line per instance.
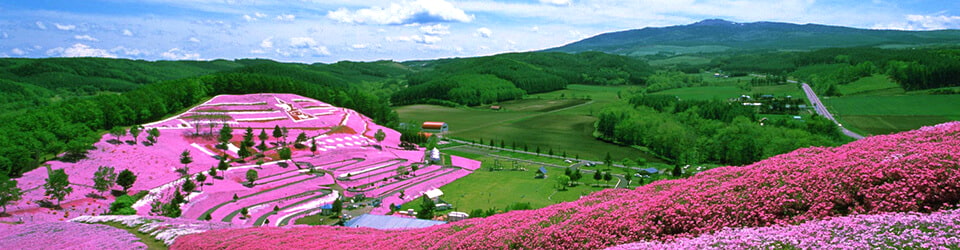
(726, 92)
(888, 114)
(873, 85)
(543, 120)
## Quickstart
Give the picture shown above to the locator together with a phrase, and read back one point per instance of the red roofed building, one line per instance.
(434, 127)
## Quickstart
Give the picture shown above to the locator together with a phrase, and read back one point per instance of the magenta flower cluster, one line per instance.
(882, 231)
(905, 172)
(66, 235)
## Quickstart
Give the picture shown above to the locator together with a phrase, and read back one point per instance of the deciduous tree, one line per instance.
(252, 176)
(125, 179)
(104, 178)
(9, 192)
(57, 185)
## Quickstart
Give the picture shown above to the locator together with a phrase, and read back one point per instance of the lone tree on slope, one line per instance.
(126, 179)
(58, 185)
(9, 192)
(104, 178)
(379, 136)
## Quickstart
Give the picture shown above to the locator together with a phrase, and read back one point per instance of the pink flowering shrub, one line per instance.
(909, 171)
(68, 235)
(881, 231)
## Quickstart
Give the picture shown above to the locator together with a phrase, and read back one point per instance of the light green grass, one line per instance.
(691, 60)
(727, 92)
(569, 129)
(890, 114)
(484, 189)
(146, 238)
(871, 85)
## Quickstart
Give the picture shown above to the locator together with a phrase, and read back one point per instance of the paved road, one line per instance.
(822, 110)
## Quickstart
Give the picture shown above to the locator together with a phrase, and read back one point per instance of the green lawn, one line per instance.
(545, 120)
(727, 92)
(873, 85)
(484, 189)
(890, 114)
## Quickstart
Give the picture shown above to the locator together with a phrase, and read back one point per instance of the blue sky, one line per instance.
(334, 30)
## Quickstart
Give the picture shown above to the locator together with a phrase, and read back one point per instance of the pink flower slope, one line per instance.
(910, 171)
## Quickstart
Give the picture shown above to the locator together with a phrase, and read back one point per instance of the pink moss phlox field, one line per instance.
(68, 235)
(341, 134)
(882, 231)
(909, 171)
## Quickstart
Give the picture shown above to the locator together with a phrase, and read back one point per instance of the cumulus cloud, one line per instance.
(257, 51)
(80, 50)
(41, 25)
(178, 54)
(127, 51)
(267, 43)
(436, 29)
(425, 39)
(922, 22)
(194, 40)
(85, 37)
(127, 32)
(359, 46)
(286, 18)
(305, 45)
(557, 2)
(406, 12)
(18, 52)
(484, 32)
(65, 26)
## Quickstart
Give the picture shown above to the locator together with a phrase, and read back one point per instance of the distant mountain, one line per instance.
(714, 35)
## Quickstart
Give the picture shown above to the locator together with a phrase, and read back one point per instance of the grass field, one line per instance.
(484, 189)
(727, 92)
(545, 120)
(873, 85)
(691, 60)
(889, 114)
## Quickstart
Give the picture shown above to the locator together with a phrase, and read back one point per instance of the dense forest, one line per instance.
(530, 72)
(912, 69)
(691, 132)
(33, 133)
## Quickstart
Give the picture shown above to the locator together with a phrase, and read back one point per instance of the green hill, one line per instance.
(716, 35)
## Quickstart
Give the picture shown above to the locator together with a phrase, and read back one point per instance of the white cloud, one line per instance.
(41, 25)
(257, 51)
(557, 2)
(425, 39)
(194, 40)
(178, 54)
(436, 29)
(249, 18)
(128, 51)
(407, 12)
(18, 52)
(79, 50)
(921, 22)
(303, 45)
(286, 18)
(85, 37)
(65, 27)
(127, 32)
(484, 32)
(359, 46)
(267, 43)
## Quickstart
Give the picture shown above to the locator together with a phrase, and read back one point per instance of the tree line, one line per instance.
(690, 132)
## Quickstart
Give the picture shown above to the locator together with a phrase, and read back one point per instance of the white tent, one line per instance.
(433, 193)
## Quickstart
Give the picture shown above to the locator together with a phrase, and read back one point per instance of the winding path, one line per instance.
(822, 110)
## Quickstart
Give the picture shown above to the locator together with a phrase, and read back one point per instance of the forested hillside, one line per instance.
(42, 127)
(912, 69)
(528, 72)
(716, 35)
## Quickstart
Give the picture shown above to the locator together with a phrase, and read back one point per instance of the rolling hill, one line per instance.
(715, 35)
